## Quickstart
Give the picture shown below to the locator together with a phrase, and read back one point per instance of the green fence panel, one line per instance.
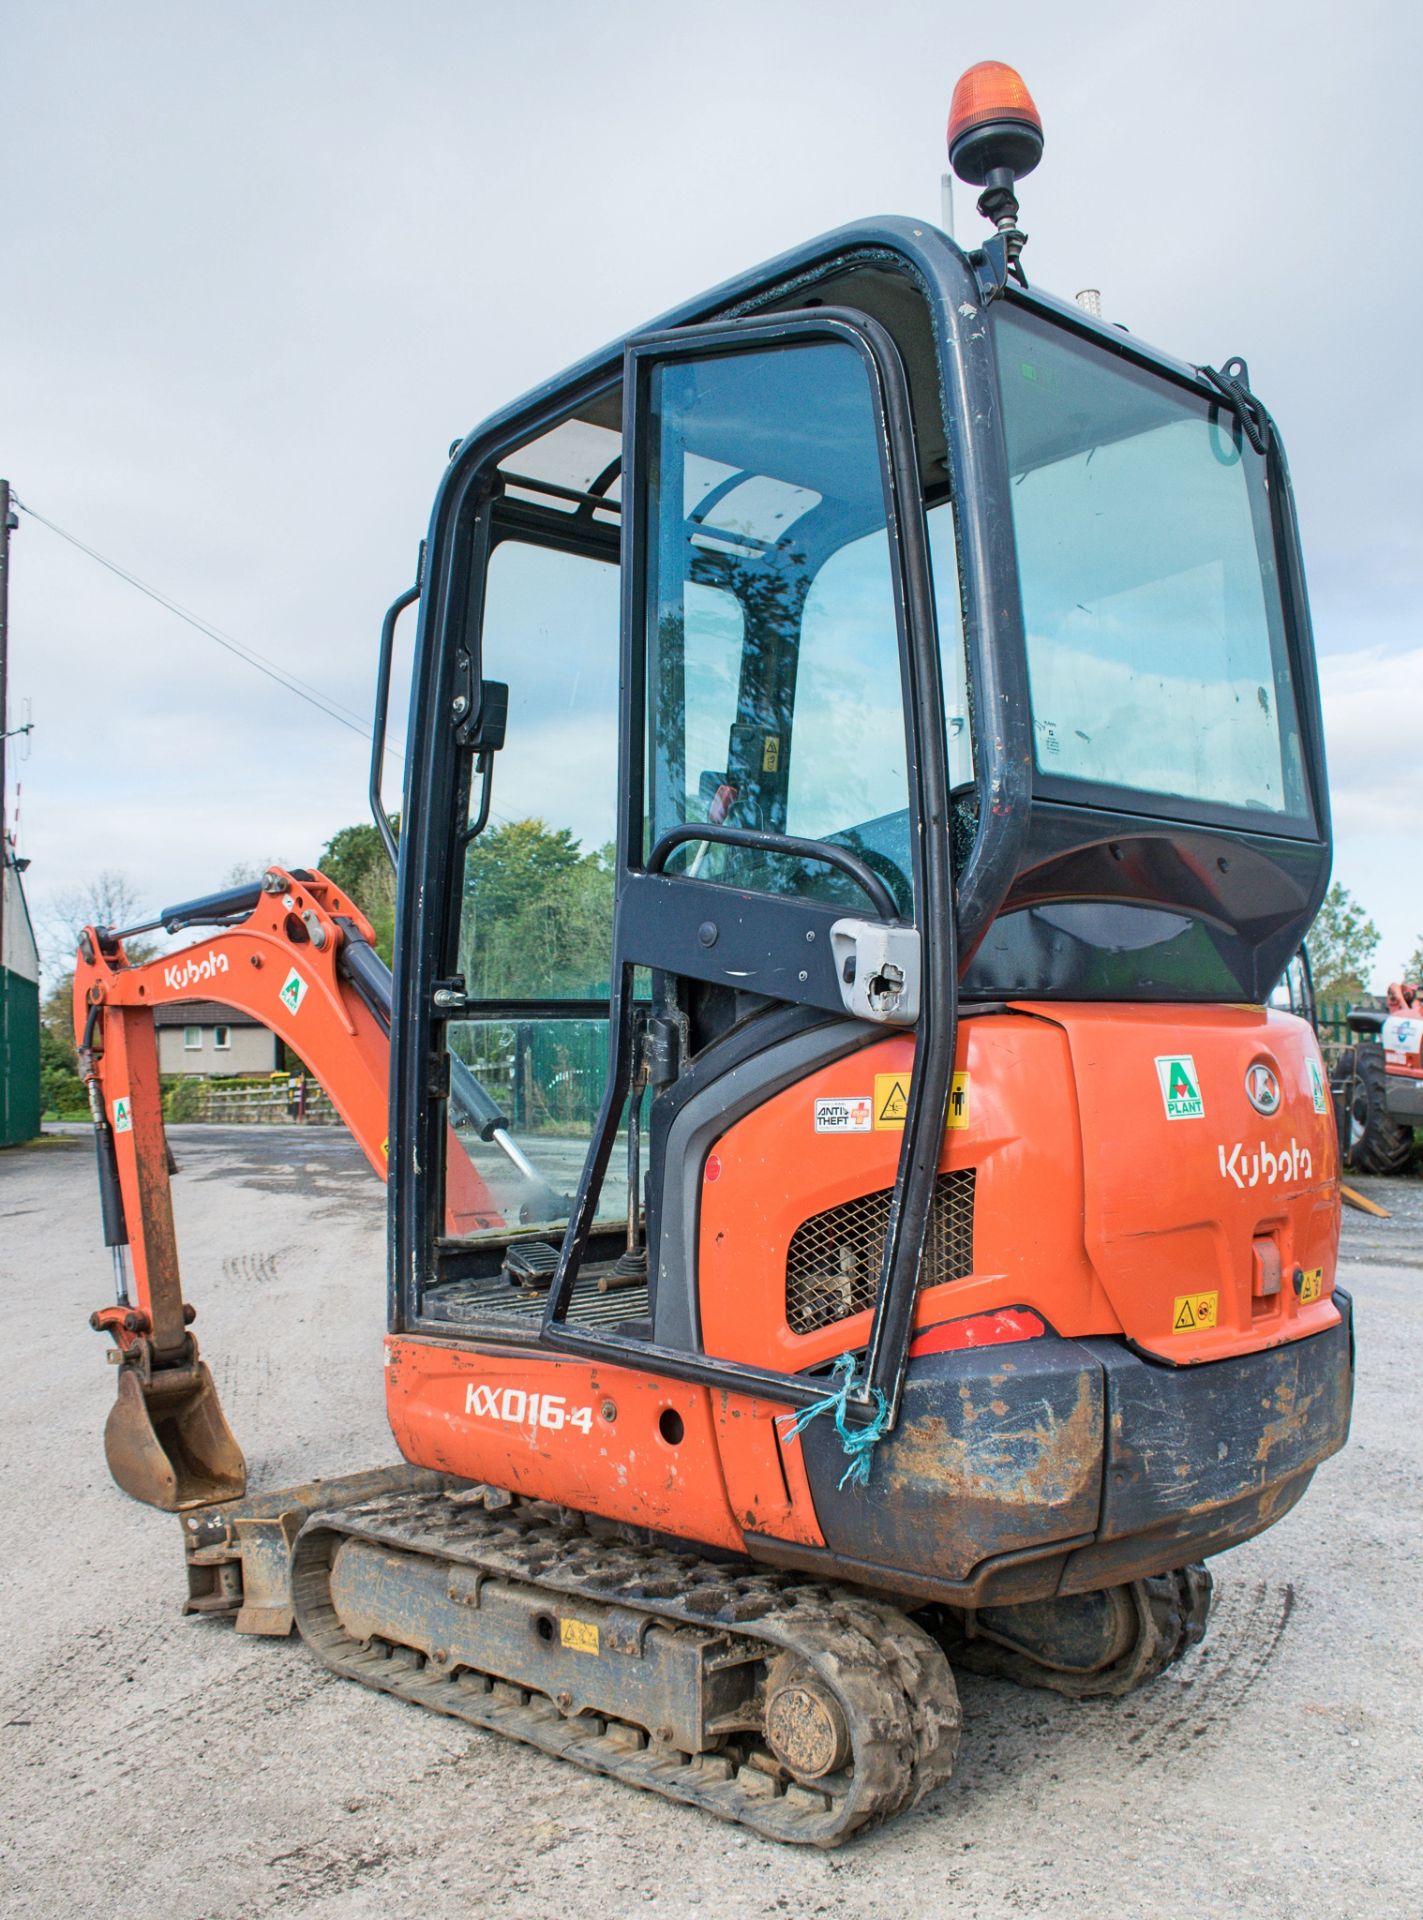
(19, 1059)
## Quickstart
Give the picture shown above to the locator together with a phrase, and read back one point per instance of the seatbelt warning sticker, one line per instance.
(1311, 1285)
(123, 1117)
(1195, 1312)
(579, 1635)
(854, 1115)
(293, 992)
(891, 1102)
(1180, 1089)
(1317, 1088)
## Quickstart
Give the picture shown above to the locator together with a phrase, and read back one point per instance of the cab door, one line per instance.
(783, 838)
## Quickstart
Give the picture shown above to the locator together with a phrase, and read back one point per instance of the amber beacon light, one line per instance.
(993, 125)
(995, 137)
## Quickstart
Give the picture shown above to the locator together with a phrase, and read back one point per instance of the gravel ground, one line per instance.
(162, 1766)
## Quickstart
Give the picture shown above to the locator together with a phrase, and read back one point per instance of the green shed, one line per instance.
(19, 1011)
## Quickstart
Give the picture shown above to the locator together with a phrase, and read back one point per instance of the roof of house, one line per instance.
(203, 1013)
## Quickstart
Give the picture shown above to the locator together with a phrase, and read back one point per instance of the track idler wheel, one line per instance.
(1088, 1646)
(805, 1724)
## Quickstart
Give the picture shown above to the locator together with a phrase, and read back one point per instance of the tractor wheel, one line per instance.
(1376, 1142)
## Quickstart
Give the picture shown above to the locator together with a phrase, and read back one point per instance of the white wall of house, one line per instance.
(20, 955)
(199, 1049)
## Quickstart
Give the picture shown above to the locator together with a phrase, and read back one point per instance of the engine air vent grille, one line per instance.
(833, 1261)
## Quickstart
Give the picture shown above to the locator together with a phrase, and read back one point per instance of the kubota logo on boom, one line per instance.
(192, 971)
(1254, 1166)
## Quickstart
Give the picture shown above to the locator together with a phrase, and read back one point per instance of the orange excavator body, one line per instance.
(1194, 1240)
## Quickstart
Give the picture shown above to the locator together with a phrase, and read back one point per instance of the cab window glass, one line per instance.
(1156, 638)
(767, 490)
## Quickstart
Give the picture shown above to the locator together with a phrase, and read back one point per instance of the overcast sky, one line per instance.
(260, 264)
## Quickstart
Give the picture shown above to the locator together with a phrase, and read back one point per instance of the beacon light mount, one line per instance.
(995, 136)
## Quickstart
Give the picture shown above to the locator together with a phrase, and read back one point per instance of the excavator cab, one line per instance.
(883, 644)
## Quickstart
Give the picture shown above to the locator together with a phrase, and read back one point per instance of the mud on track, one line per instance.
(156, 1766)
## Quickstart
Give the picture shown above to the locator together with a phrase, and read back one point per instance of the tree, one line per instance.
(61, 1089)
(510, 867)
(1413, 972)
(110, 899)
(537, 914)
(1342, 945)
(354, 859)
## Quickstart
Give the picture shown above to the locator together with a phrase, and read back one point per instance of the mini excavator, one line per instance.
(943, 1267)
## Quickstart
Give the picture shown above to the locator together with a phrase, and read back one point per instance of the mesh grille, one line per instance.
(833, 1261)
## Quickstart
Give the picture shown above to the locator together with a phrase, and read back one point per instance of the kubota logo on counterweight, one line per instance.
(192, 971)
(1254, 1166)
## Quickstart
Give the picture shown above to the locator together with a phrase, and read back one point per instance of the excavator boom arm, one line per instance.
(299, 956)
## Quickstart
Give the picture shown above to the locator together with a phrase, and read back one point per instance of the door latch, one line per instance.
(878, 969)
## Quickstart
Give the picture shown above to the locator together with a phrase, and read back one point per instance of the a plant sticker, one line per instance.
(123, 1116)
(293, 992)
(1317, 1087)
(1180, 1089)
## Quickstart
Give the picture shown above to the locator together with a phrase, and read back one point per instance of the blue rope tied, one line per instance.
(858, 1442)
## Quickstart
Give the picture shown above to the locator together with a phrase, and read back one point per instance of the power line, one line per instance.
(312, 695)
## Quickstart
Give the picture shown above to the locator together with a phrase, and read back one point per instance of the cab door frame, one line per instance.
(965, 386)
(657, 915)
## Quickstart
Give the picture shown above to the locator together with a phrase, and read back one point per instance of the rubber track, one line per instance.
(893, 1682)
(1172, 1610)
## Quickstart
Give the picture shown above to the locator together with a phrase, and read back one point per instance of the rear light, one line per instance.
(1266, 1276)
(980, 1330)
(1266, 1270)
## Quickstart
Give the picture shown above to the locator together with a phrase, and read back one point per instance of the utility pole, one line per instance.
(8, 523)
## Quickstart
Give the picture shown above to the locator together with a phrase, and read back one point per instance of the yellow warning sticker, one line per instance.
(771, 754)
(385, 1148)
(1311, 1285)
(580, 1635)
(1194, 1312)
(892, 1101)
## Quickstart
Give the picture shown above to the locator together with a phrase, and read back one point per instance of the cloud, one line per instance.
(1373, 740)
(1373, 744)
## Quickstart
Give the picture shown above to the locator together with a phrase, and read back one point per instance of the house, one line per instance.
(206, 1037)
(19, 1008)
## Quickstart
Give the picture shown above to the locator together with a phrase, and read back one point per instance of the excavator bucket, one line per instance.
(168, 1443)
